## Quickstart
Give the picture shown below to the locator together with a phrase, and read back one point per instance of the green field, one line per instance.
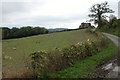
(16, 51)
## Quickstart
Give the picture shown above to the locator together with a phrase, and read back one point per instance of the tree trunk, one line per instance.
(99, 19)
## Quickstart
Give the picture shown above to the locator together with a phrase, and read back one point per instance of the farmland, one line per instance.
(16, 51)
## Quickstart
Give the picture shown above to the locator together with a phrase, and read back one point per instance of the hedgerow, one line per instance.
(43, 62)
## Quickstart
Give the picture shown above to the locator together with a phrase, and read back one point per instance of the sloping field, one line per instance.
(16, 51)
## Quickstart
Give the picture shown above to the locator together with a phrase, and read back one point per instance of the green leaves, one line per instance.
(98, 10)
(22, 32)
(59, 59)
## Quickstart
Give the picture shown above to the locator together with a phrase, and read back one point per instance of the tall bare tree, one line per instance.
(98, 11)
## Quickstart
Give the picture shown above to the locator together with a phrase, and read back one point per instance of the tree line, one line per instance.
(15, 32)
(111, 26)
(112, 23)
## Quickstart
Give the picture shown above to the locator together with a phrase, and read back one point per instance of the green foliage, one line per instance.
(82, 69)
(92, 31)
(112, 26)
(5, 32)
(22, 32)
(58, 59)
(98, 10)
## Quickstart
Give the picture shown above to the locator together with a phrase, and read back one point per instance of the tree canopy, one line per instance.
(8, 33)
(98, 11)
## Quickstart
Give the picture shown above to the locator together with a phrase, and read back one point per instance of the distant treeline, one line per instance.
(8, 33)
(15, 32)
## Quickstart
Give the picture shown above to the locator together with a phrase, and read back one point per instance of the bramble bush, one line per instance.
(50, 62)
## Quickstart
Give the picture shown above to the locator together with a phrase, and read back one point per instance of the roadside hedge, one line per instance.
(43, 62)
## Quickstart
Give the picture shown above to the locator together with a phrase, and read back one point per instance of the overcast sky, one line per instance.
(48, 13)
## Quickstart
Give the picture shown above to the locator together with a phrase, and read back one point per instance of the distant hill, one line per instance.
(57, 29)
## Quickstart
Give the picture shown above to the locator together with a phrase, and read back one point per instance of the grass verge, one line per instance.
(83, 68)
(113, 31)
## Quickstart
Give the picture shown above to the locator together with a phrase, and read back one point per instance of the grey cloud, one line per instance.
(11, 7)
(19, 7)
(53, 19)
(11, 10)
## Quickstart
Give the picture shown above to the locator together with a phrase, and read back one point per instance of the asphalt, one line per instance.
(114, 65)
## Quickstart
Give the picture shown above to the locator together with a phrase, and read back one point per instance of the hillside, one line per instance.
(15, 51)
(56, 29)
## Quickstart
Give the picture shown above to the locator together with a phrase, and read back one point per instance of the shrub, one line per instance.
(50, 62)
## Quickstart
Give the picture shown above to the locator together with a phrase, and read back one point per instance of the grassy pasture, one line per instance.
(15, 51)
